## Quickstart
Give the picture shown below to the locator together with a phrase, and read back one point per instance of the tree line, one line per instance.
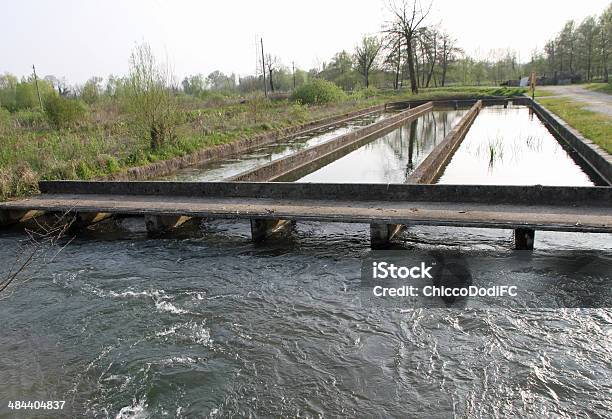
(406, 53)
(580, 52)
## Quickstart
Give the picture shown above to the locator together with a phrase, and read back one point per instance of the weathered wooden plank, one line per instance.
(484, 194)
(558, 217)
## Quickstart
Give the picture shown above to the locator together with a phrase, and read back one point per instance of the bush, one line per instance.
(25, 180)
(25, 96)
(150, 100)
(5, 120)
(318, 91)
(6, 179)
(213, 98)
(367, 93)
(64, 113)
(34, 118)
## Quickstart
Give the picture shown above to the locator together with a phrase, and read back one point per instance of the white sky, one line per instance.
(78, 39)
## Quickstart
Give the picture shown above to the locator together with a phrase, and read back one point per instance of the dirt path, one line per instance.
(597, 101)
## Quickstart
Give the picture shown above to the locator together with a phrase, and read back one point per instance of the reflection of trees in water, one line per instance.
(301, 142)
(412, 142)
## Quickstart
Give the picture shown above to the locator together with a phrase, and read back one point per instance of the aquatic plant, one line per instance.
(495, 150)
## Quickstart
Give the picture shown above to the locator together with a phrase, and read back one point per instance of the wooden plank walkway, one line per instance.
(460, 214)
(272, 205)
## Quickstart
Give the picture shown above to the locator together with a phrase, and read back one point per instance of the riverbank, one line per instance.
(102, 145)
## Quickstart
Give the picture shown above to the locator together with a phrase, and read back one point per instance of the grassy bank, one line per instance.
(600, 87)
(102, 143)
(595, 126)
(541, 93)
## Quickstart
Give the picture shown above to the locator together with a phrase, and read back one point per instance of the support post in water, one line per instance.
(524, 238)
(382, 234)
(9, 217)
(85, 219)
(159, 224)
(263, 228)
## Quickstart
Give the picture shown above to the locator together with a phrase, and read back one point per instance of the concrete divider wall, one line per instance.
(486, 194)
(166, 167)
(298, 161)
(458, 103)
(434, 164)
(591, 154)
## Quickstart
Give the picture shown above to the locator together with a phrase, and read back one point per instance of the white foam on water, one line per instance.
(180, 360)
(137, 294)
(200, 334)
(162, 305)
(166, 332)
(134, 411)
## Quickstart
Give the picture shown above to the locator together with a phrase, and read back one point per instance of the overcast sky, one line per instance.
(80, 38)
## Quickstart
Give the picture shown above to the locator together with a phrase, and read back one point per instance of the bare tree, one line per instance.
(408, 16)
(271, 63)
(365, 56)
(448, 54)
(43, 244)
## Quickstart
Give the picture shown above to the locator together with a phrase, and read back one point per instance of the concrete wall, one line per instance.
(590, 153)
(304, 159)
(460, 103)
(166, 167)
(433, 166)
(487, 194)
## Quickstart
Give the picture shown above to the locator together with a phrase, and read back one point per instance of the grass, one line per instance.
(457, 92)
(595, 126)
(103, 144)
(600, 87)
(541, 93)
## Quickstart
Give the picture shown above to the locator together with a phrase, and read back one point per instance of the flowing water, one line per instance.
(212, 325)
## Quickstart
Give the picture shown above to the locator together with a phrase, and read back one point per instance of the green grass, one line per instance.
(600, 87)
(595, 126)
(103, 143)
(454, 92)
(541, 93)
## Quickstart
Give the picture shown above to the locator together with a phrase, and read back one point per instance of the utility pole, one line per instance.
(37, 89)
(263, 67)
(293, 68)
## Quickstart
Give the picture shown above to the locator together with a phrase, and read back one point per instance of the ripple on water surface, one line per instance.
(217, 325)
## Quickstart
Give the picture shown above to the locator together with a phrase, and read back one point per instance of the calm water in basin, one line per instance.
(221, 169)
(392, 157)
(512, 147)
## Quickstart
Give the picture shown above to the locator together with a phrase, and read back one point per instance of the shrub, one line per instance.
(108, 163)
(34, 118)
(318, 91)
(365, 93)
(6, 180)
(149, 98)
(62, 112)
(84, 171)
(25, 180)
(25, 96)
(5, 121)
(213, 98)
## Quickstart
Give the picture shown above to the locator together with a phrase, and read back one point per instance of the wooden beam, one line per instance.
(159, 224)
(263, 228)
